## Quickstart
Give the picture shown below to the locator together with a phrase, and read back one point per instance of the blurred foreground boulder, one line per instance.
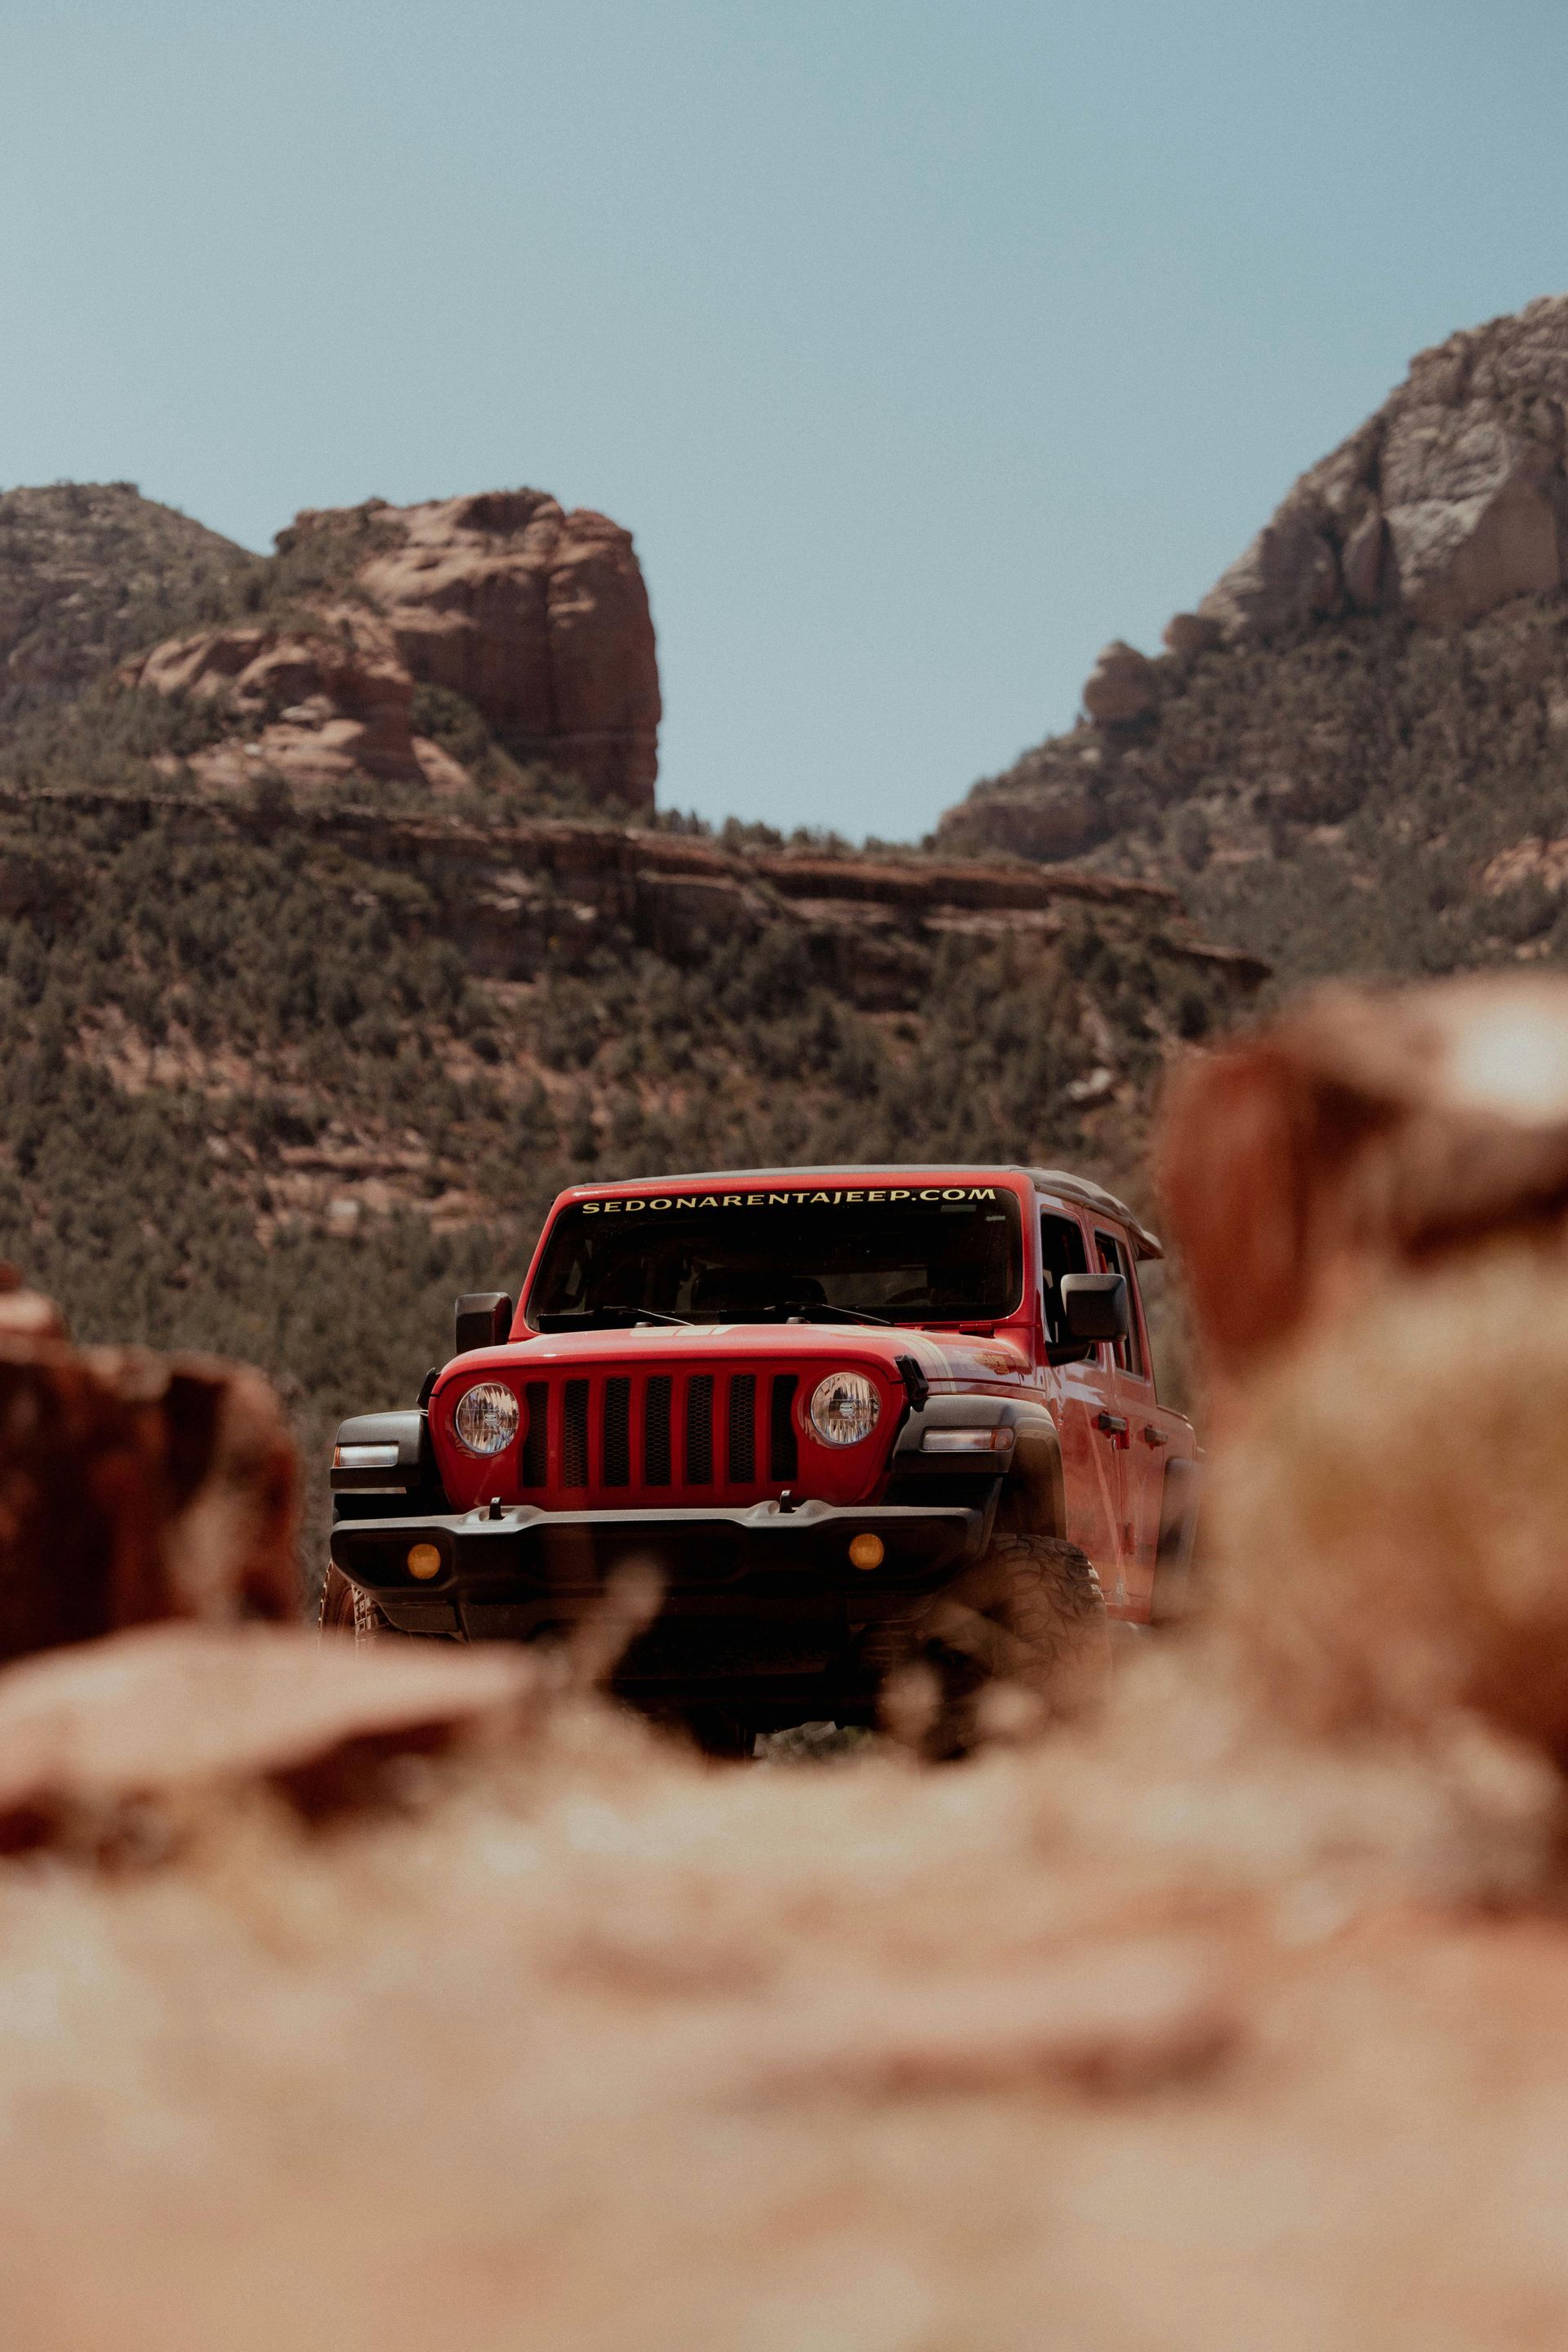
(1370, 1197)
(113, 1747)
(1392, 1522)
(1364, 1133)
(134, 1487)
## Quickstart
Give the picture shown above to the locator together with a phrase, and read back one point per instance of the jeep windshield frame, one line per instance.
(910, 1255)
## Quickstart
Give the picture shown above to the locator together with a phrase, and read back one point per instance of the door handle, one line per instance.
(1152, 1436)
(1112, 1422)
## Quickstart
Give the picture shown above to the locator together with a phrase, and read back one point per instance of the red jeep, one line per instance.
(854, 1416)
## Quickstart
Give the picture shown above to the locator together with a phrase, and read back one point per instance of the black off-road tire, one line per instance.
(1029, 1614)
(345, 1609)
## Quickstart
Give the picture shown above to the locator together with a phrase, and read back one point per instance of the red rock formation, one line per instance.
(537, 617)
(316, 708)
(540, 618)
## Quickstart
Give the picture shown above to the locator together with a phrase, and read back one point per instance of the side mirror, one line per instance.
(483, 1319)
(1095, 1305)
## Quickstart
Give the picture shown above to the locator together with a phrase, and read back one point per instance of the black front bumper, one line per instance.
(756, 1595)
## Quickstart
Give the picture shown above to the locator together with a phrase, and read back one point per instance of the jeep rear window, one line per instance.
(930, 1254)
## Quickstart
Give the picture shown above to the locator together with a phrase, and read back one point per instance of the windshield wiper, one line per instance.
(813, 1312)
(652, 1315)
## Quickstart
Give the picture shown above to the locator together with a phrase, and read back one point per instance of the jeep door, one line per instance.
(1079, 1395)
(1138, 1431)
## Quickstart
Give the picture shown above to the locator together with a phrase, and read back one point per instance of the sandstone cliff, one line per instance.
(1354, 753)
(536, 619)
(1446, 504)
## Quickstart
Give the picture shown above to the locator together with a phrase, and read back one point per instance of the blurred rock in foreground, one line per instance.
(134, 1487)
(1370, 1199)
(118, 1749)
(1356, 1139)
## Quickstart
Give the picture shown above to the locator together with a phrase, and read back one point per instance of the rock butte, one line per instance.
(539, 618)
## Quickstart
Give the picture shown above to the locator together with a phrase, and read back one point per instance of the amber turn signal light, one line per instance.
(867, 1551)
(423, 1561)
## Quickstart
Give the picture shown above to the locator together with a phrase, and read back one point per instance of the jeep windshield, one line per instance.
(932, 1254)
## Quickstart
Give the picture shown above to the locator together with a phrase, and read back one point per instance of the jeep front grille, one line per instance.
(605, 1440)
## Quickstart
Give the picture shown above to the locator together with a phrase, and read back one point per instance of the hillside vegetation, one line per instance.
(90, 570)
(1369, 796)
(259, 1092)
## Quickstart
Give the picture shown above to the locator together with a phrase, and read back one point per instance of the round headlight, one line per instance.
(843, 1408)
(487, 1418)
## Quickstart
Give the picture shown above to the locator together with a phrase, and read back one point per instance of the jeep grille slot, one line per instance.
(655, 1453)
(617, 1432)
(699, 1430)
(575, 1434)
(741, 1451)
(536, 1445)
(784, 1456)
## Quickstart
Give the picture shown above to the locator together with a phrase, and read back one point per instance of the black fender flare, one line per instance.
(1033, 1500)
(1031, 1493)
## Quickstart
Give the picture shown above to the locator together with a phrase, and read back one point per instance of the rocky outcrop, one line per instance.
(537, 618)
(1050, 805)
(1449, 501)
(314, 708)
(1122, 685)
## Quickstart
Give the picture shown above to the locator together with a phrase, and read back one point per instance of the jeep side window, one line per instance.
(1061, 1252)
(1115, 1258)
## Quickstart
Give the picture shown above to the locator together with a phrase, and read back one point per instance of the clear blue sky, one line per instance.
(924, 344)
